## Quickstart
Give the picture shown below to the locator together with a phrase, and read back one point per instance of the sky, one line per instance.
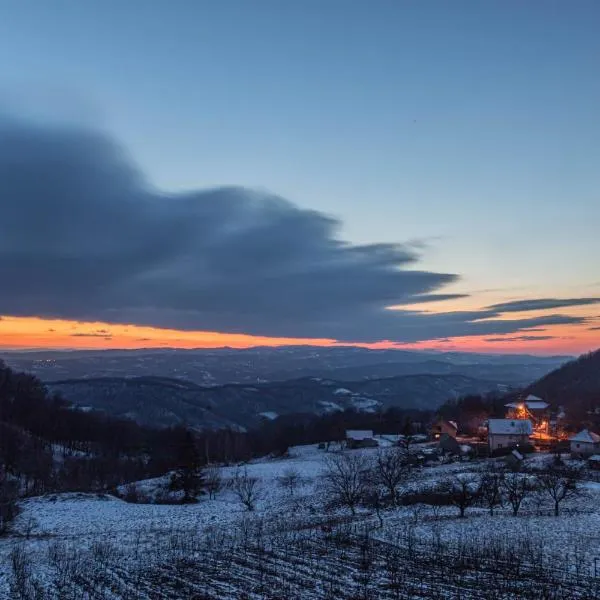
(385, 173)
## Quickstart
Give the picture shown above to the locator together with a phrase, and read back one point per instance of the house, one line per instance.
(585, 443)
(448, 444)
(360, 438)
(508, 433)
(441, 427)
(532, 408)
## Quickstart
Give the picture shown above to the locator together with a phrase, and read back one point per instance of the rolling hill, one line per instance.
(163, 401)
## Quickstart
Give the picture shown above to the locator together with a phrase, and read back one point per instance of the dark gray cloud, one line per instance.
(521, 338)
(99, 335)
(542, 304)
(594, 328)
(84, 236)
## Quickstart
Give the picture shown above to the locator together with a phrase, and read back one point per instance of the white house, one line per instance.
(585, 443)
(508, 433)
(360, 438)
(359, 434)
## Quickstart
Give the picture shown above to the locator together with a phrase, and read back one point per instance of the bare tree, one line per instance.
(491, 489)
(246, 489)
(516, 487)
(462, 490)
(374, 494)
(345, 479)
(290, 480)
(560, 484)
(212, 481)
(391, 470)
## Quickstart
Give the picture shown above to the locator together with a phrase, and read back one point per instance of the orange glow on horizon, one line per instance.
(27, 333)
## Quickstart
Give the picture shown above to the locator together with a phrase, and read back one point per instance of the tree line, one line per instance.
(353, 479)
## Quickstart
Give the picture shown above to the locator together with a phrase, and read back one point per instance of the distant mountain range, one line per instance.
(238, 388)
(163, 402)
(255, 365)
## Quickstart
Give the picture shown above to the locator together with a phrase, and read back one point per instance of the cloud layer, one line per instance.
(542, 304)
(84, 236)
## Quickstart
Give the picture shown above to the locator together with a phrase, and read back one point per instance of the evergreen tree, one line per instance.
(188, 476)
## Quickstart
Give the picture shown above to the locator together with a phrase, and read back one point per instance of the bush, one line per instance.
(523, 449)
(131, 494)
(431, 497)
(8, 502)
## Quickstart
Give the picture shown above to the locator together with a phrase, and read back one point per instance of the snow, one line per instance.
(330, 406)
(532, 402)
(586, 436)
(342, 392)
(367, 405)
(536, 399)
(269, 414)
(82, 520)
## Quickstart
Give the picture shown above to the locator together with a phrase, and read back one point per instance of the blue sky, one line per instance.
(470, 126)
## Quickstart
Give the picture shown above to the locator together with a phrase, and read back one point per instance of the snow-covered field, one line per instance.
(94, 546)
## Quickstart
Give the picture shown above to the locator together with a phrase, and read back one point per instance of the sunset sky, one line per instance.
(237, 173)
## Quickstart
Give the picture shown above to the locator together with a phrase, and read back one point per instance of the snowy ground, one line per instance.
(103, 530)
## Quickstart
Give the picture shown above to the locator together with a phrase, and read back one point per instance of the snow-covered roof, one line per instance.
(536, 404)
(510, 426)
(530, 404)
(453, 423)
(359, 434)
(532, 398)
(594, 457)
(586, 436)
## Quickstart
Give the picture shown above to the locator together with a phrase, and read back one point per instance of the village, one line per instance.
(529, 425)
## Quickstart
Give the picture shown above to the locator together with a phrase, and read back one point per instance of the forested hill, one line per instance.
(160, 401)
(577, 381)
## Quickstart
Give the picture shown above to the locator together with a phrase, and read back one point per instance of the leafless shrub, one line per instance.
(68, 565)
(131, 494)
(246, 488)
(22, 586)
(559, 483)
(391, 471)
(213, 482)
(462, 490)
(290, 480)
(345, 478)
(516, 487)
(491, 489)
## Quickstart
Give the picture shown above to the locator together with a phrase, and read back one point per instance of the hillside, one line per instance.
(577, 381)
(298, 546)
(164, 402)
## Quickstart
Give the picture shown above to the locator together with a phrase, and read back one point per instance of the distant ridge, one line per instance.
(162, 401)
